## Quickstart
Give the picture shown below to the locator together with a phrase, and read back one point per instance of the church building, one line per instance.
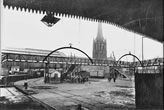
(99, 45)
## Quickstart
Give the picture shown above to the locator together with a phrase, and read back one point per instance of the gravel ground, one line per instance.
(97, 94)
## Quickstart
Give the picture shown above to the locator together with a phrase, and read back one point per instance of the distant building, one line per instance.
(32, 54)
(99, 45)
(31, 51)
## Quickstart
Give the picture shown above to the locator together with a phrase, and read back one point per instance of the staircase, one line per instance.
(3, 58)
(121, 73)
(70, 69)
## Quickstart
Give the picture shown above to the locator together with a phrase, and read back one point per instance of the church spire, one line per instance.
(99, 45)
(99, 32)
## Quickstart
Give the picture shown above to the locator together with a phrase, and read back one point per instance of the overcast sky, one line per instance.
(25, 30)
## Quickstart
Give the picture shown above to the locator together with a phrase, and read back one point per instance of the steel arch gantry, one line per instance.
(141, 63)
(70, 47)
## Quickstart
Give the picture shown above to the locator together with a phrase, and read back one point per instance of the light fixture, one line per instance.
(49, 19)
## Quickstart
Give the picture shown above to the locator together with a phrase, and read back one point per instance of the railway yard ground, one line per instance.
(96, 94)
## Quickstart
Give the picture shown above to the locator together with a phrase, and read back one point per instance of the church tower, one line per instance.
(99, 45)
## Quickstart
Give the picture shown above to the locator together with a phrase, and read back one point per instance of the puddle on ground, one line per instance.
(123, 93)
(123, 86)
(43, 87)
(102, 94)
(31, 92)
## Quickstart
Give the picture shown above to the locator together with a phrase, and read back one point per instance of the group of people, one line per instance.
(78, 79)
(112, 75)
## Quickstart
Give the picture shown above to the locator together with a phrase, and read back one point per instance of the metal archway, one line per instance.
(46, 78)
(70, 47)
(124, 56)
(130, 55)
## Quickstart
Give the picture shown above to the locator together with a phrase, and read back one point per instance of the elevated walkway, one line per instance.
(121, 73)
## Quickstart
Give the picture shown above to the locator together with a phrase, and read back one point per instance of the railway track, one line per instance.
(60, 99)
(88, 103)
(42, 104)
(84, 101)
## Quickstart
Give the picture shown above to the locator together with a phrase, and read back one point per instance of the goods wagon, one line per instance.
(97, 74)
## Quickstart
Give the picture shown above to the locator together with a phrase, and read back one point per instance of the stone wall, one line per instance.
(149, 91)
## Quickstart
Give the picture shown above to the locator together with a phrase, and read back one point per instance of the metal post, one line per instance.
(142, 54)
(0, 56)
(46, 73)
(1, 3)
(142, 50)
(134, 47)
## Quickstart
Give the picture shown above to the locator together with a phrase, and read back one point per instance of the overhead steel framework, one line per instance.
(140, 16)
(70, 47)
(36, 61)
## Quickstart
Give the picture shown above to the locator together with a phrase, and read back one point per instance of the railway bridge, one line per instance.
(31, 59)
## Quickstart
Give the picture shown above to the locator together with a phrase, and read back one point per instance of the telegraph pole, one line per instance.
(142, 50)
(134, 47)
(1, 3)
(142, 53)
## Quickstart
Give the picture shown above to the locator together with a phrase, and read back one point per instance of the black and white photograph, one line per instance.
(81, 54)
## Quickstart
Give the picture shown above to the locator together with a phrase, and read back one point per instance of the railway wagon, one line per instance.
(97, 74)
(12, 78)
(19, 76)
(83, 74)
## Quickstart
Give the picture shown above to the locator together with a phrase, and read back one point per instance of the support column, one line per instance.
(0, 56)
(163, 49)
(142, 49)
(0, 36)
